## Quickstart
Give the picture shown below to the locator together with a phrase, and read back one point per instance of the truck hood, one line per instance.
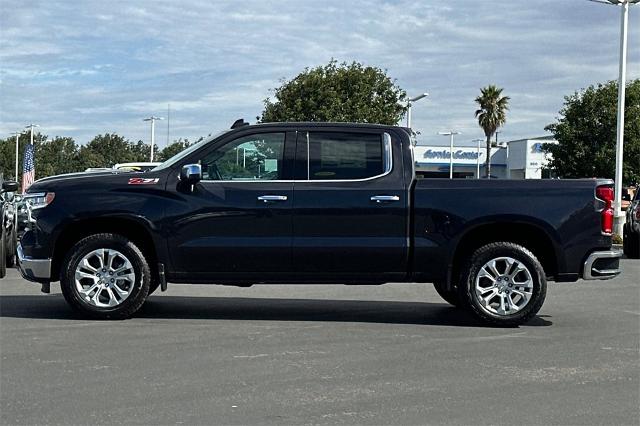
(84, 179)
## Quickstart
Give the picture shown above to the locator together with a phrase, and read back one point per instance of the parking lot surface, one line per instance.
(312, 354)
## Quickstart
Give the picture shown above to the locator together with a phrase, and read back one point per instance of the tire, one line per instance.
(113, 274)
(450, 296)
(490, 275)
(11, 254)
(631, 245)
(3, 257)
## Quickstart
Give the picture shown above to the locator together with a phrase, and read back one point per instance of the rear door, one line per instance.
(350, 206)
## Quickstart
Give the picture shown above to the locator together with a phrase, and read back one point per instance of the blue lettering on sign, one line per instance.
(536, 148)
(444, 154)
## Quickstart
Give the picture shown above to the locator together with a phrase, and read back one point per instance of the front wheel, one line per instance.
(3, 259)
(105, 276)
(11, 254)
(503, 284)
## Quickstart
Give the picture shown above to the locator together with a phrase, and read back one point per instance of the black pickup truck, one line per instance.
(314, 203)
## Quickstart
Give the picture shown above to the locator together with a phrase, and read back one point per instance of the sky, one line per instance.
(82, 68)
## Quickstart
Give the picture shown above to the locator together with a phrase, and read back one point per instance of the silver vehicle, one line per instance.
(631, 230)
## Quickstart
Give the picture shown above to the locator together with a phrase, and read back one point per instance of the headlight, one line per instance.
(40, 199)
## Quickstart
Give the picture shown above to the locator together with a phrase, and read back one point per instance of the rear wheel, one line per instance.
(503, 284)
(450, 296)
(105, 276)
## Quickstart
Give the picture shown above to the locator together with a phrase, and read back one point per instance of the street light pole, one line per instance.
(410, 101)
(152, 119)
(450, 133)
(622, 81)
(17, 135)
(31, 126)
(478, 157)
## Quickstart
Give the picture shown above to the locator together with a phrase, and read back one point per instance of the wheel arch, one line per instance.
(134, 228)
(533, 236)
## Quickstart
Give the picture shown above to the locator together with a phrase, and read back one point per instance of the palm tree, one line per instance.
(491, 115)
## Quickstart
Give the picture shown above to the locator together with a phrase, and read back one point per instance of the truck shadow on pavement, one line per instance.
(262, 309)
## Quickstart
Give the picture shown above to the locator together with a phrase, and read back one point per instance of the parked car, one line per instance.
(8, 238)
(314, 203)
(22, 214)
(136, 167)
(631, 229)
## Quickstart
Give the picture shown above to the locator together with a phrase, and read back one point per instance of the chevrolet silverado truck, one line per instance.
(314, 203)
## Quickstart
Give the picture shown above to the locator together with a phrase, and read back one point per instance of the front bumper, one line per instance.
(37, 270)
(602, 265)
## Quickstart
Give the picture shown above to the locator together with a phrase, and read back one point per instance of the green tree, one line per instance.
(586, 132)
(109, 149)
(339, 93)
(173, 148)
(491, 115)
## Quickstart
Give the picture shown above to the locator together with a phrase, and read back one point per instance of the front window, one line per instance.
(185, 152)
(249, 158)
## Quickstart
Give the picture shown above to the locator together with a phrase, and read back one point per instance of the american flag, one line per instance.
(28, 168)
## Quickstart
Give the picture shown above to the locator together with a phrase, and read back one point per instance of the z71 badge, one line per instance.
(143, 181)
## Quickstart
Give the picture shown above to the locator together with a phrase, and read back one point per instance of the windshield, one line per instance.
(179, 156)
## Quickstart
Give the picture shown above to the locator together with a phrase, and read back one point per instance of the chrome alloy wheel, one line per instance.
(104, 278)
(503, 286)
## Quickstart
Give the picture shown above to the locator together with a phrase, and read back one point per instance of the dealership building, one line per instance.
(518, 159)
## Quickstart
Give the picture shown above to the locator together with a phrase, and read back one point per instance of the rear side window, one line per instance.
(345, 156)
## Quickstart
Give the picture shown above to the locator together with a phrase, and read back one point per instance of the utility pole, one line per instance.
(152, 119)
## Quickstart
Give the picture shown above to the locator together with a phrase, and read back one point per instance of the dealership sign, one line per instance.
(438, 154)
(457, 155)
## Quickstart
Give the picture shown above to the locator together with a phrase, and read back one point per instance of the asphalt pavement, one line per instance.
(311, 354)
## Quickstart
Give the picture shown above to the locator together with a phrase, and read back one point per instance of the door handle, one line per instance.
(385, 198)
(272, 198)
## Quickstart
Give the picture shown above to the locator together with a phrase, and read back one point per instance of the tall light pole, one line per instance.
(17, 135)
(152, 119)
(622, 82)
(450, 133)
(31, 126)
(410, 101)
(478, 141)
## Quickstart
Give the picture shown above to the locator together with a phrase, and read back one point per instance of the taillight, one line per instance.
(605, 193)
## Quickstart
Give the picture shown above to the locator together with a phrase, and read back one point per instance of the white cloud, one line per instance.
(93, 66)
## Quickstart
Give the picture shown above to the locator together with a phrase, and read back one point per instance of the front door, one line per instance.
(237, 223)
(350, 206)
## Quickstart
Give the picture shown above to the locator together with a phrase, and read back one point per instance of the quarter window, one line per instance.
(345, 156)
(249, 158)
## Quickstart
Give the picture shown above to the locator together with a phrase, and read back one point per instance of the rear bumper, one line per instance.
(602, 265)
(37, 270)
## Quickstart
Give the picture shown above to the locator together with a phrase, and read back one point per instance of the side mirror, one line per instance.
(191, 174)
(9, 186)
